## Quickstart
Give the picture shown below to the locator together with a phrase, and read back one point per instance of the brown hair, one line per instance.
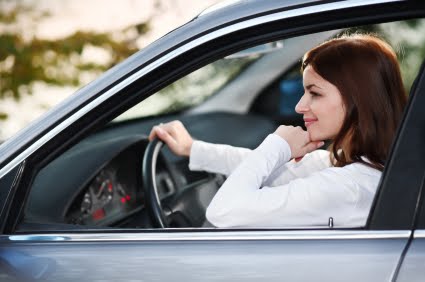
(365, 70)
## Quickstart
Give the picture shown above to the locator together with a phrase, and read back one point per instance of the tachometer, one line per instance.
(99, 194)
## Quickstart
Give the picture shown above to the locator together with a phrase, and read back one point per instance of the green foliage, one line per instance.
(57, 62)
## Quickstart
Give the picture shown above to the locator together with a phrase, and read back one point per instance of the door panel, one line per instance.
(412, 268)
(212, 256)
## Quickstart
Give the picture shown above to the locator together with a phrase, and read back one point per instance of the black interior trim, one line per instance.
(394, 207)
(419, 222)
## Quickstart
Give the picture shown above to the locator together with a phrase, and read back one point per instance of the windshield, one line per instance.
(191, 90)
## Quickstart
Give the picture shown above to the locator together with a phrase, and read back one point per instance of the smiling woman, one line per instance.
(354, 96)
(364, 71)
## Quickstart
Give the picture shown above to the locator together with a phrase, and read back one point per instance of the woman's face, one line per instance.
(321, 106)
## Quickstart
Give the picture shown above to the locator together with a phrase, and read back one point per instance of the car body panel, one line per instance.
(216, 256)
(412, 267)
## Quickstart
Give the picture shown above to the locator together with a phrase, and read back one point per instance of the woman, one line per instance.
(354, 97)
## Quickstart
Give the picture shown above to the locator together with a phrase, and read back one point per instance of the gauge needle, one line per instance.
(101, 188)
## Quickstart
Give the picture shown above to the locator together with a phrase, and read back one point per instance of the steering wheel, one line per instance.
(152, 202)
(184, 209)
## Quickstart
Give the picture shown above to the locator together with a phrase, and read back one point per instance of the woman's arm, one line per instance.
(302, 201)
(216, 158)
(223, 159)
(203, 156)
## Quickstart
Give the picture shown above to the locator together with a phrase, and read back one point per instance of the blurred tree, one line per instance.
(408, 41)
(26, 59)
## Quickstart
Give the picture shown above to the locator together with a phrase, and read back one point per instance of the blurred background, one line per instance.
(50, 48)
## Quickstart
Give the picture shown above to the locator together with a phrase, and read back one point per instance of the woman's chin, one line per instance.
(313, 135)
(316, 136)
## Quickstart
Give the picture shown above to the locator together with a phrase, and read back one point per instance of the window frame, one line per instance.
(213, 49)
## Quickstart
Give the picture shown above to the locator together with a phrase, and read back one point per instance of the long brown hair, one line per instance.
(365, 70)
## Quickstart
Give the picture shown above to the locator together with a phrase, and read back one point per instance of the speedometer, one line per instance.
(96, 202)
(103, 201)
(100, 193)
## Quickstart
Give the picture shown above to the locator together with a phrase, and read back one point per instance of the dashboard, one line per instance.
(98, 182)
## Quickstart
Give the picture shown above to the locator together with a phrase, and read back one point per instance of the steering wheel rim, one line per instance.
(150, 188)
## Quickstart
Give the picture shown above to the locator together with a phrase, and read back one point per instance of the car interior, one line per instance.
(100, 182)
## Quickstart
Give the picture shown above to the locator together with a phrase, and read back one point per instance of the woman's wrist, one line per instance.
(276, 149)
(188, 148)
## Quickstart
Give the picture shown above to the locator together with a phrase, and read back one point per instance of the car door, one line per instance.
(372, 253)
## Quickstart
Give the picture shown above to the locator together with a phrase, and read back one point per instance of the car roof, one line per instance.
(237, 8)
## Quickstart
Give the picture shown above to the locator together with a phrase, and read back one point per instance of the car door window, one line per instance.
(103, 185)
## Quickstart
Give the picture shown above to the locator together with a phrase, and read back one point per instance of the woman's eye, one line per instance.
(314, 94)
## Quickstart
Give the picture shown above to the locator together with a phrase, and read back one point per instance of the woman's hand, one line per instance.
(299, 140)
(175, 135)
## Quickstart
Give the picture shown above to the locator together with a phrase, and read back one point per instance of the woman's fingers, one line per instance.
(175, 135)
(161, 133)
(311, 146)
(298, 140)
(152, 134)
(166, 137)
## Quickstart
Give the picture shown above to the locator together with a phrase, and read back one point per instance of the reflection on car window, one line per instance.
(192, 89)
(404, 36)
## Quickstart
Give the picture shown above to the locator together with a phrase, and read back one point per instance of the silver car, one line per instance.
(84, 196)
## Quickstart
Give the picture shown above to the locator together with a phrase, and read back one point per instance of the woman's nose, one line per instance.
(302, 105)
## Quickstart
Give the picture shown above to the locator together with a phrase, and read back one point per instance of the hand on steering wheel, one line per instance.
(175, 135)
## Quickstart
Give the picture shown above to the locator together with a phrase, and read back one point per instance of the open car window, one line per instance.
(236, 100)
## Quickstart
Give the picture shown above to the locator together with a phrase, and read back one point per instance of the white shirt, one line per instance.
(265, 189)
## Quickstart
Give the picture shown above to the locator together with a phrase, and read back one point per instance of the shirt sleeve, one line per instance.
(216, 158)
(243, 200)
(223, 159)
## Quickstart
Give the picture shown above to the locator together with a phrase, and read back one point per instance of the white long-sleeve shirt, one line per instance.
(265, 189)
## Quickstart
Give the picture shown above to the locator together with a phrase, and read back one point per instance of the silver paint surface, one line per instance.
(217, 256)
(413, 267)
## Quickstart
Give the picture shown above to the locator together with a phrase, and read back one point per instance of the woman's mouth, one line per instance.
(309, 121)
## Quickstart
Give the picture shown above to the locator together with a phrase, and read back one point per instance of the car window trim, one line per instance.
(212, 235)
(419, 234)
(304, 30)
